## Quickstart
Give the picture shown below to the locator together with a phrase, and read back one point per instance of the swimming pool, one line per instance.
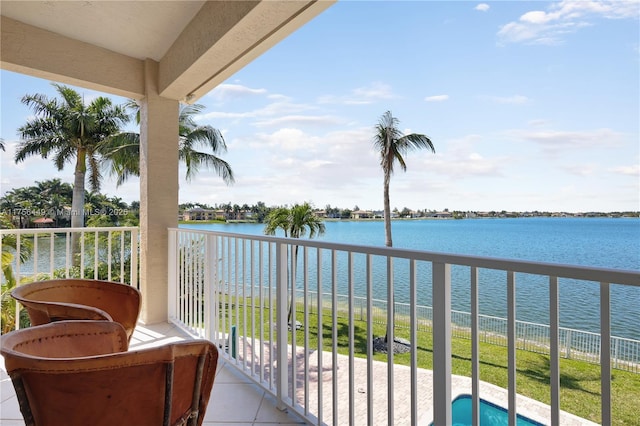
(490, 414)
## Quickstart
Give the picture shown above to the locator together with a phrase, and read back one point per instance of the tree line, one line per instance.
(91, 137)
(48, 203)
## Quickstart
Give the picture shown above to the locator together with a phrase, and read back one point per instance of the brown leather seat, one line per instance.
(73, 373)
(74, 299)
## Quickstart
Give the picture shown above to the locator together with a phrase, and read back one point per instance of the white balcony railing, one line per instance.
(235, 290)
(107, 253)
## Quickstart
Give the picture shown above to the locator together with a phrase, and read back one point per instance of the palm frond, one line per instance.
(277, 219)
(195, 159)
(206, 136)
(70, 96)
(65, 154)
(41, 105)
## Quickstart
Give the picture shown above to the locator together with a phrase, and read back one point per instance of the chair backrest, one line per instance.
(74, 299)
(57, 384)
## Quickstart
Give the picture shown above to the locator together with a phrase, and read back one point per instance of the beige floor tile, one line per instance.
(10, 410)
(234, 402)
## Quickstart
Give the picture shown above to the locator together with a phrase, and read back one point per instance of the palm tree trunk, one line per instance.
(387, 211)
(77, 206)
(388, 242)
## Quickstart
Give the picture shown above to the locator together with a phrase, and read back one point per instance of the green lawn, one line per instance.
(579, 381)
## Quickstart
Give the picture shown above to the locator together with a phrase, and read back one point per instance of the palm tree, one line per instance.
(295, 222)
(124, 150)
(392, 144)
(70, 129)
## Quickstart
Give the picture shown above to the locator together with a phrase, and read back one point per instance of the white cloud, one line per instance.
(537, 123)
(280, 168)
(581, 169)
(361, 95)
(436, 98)
(462, 158)
(376, 90)
(516, 99)
(281, 105)
(287, 139)
(633, 170)
(471, 164)
(225, 92)
(482, 7)
(556, 139)
(561, 18)
(297, 120)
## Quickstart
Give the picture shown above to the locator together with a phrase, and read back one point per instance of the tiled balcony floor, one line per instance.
(235, 401)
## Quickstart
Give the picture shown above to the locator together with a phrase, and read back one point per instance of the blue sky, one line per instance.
(530, 106)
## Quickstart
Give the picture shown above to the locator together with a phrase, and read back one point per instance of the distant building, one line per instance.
(361, 214)
(199, 214)
(443, 215)
(43, 222)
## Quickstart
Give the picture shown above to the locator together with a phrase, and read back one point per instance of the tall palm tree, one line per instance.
(71, 130)
(124, 150)
(295, 222)
(392, 144)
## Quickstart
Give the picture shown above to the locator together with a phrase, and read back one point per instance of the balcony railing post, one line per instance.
(211, 325)
(281, 324)
(605, 352)
(134, 258)
(442, 344)
(172, 278)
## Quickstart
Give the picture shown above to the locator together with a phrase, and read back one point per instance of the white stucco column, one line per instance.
(158, 193)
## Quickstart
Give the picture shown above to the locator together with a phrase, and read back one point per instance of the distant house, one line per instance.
(361, 214)
(43, 222)
(199, 214)
(443, 215)
(320, 213)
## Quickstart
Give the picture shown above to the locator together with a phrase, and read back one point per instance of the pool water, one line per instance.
(490, 414)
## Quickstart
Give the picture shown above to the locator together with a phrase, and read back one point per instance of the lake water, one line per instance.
(599, 242)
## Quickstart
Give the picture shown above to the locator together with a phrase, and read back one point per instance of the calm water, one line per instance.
(601, 242)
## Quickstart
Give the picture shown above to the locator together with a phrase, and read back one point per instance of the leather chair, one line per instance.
(77, 299)
(74, 373)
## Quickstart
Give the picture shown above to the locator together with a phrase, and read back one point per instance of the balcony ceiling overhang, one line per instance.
(103, 45)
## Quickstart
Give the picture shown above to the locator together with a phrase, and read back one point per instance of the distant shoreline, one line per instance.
(234, 221)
